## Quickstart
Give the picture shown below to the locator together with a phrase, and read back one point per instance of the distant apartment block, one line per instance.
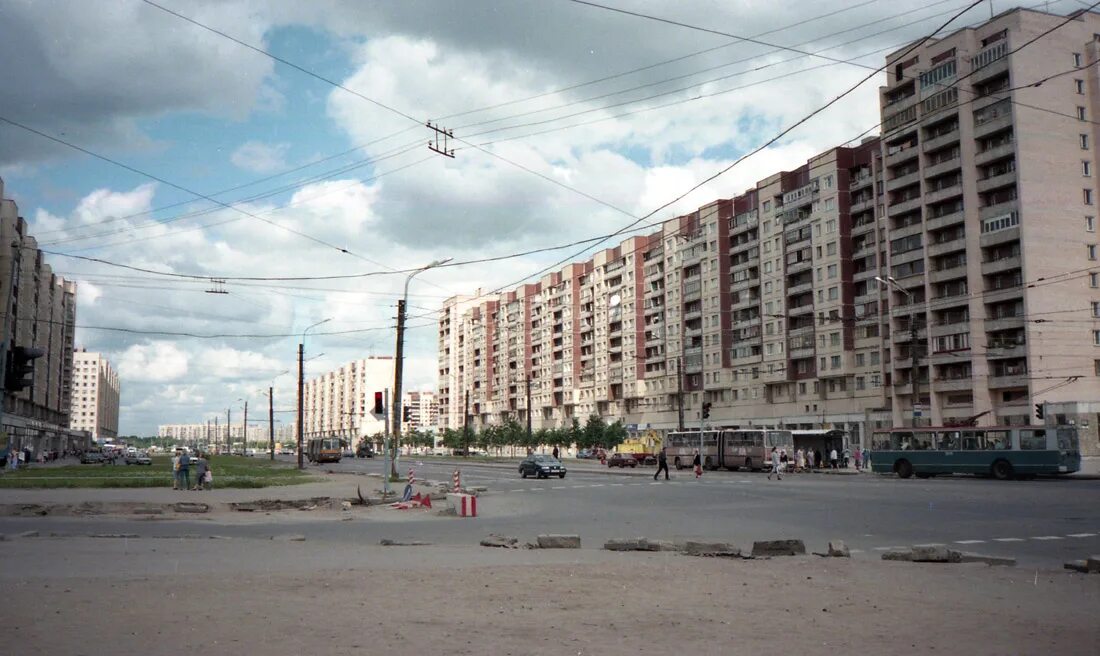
(95, 396)
(423, 409)
(339, 403)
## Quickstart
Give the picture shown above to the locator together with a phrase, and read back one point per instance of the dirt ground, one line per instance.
(479, 601)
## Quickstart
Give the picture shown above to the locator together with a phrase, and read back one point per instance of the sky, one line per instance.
(288, 140)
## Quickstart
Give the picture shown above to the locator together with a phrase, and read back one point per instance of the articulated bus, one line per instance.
(729, 448)
(1002, 452)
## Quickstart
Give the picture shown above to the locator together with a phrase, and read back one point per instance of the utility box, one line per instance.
(465, 505)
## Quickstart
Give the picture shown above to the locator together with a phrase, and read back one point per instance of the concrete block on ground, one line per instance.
(778, 548)
(936, 554)
(554, 541)
(345, 505)
(1077, 566)
(1093, 564)
(968, 557)
(191, 507)
(465, 505)
(715, 549)
(503, 541)
(289, 537)
(386, 542)
(904, 553)
(627, 544)
(837, 549)
(660, 545)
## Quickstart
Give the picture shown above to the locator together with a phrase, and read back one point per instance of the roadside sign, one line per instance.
(918, 410)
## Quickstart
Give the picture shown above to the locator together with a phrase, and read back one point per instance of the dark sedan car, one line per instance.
(619, 460)
(138, 459)
(541, 466)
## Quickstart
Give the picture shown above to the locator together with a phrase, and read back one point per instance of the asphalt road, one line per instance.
(1040, 522)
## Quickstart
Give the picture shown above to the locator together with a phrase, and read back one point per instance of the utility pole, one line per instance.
(244, 431)
(301, 351)
(466, 424)
(528, 379)
(271, 420)
(913, 352)
(215, 433)
(397, 375)
(680, 394)
(228, 432)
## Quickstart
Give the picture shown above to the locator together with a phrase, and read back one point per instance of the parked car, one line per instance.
(137, 459)
(92, 458)
(622, 461)
(585, 454)
(542, 466)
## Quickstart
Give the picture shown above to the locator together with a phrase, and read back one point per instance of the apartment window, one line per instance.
(1096, 338)
(1076, 59)
(1094, 280)
(874, 357)
(835, 362)
(828, 182)
(834, 338)
(830, 248)
(834, 292)
(1087, 194)
(1090, 224)
(1096, 367)
(830, 203)
(860, 359)
(1096, 309)
(1079, 86)
(767, 206)
(832, 271)
(1092, 251)
(1080, 113)
(1084, 140)
(1086, 169)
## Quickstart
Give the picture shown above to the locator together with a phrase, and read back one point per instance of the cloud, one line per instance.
(260, 157)
(156, 362)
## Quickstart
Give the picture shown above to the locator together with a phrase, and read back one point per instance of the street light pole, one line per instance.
(399, 360)
(301, 384)
(914, 383)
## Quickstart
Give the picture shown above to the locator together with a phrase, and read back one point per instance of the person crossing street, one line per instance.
(776, 465)
(662, 464)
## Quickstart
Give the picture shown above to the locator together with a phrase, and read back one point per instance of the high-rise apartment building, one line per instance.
(339, 402)
(991, 215)
(423, 411)
(37, 310)
(95, 396)
(961, 244)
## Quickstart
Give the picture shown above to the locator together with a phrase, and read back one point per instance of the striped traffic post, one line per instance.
(458, 487)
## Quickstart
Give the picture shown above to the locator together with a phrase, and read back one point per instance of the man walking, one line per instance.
(775, 465)
(185, 471)
(832, 459)
(662, 464)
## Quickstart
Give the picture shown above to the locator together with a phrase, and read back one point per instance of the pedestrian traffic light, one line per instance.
(20, 372)
(706, 410)
(379, 406)
(406, 414)
(1038, 410)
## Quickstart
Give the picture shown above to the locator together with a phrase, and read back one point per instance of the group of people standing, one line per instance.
(181, 472)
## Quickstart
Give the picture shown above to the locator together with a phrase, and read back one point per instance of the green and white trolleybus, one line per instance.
(1002, 452)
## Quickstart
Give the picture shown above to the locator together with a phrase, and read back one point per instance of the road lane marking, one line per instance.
(636, 484)
(1008, 539)
(596, 485)
(855, 551)
(536, 489)
(658, 482)
(1047, 537)
(560, 487)
(969, 541)
(933, 544)
(617, 484)
(1081, 535)
(883, 548)
(517, 490)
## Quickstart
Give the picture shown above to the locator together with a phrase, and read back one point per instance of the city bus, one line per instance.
(325, 449)
(1002, 452)
(728, 448)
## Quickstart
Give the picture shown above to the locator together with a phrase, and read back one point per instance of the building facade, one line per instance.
(37, 310)
(95, 396)
(423, 411)
(339, 403)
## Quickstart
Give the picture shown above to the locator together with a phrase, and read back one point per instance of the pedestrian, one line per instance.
(800, 460)
(817, 458)
(185, 471)
(867, 460)
(697, 464)
(784, 460)
(832, 459)
(176, 470)
(859, 458)
(555, 453)
(662, 464)
(776, 462)
(200, 471)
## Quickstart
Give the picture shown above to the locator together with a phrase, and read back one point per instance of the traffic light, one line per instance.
(1039, 411)
(706, 410)
(406, 414)
(20, 372)
(379, 406)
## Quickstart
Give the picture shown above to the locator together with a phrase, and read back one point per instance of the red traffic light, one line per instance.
(379, 406)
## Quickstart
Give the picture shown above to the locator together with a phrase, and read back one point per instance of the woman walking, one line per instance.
(776, 464)
(697, 463)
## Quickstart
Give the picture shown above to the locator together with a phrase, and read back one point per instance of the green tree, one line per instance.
(593, 434)
(614, 435)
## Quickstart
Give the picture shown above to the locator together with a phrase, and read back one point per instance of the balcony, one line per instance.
(862, 205)
(801, 352)
(1004, 294)
(906, 257)
(656, 309)
(999, 237)
(1004, 323)
(945, 247)
(908, 205)
(1000, 265)
(863, 227)
(1000, 209)
(996, 181)
(935, 196)
(995, 153)
(800, 288)
(1008, 380)
(941, 329)
(903, 181)
(989, 71)
(693, 313)
(805, 308)
(999, 353)
(860, 181)
(943, 167)
(940, 222)
(907, 231)
(953, 384)
(957, 271)
(693, 289)
(992, 125)
(935, 143)
(903, 155)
